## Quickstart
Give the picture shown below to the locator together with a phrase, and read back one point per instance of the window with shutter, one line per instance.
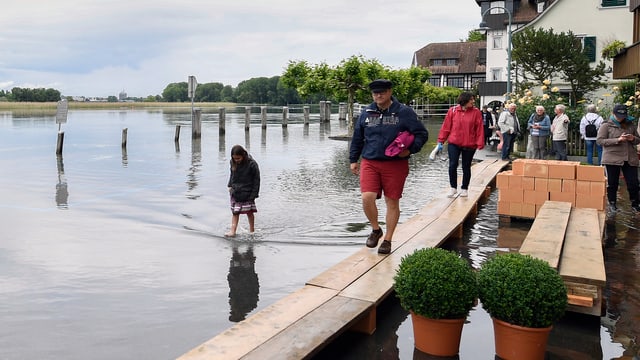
(589, 43)
(608, 3)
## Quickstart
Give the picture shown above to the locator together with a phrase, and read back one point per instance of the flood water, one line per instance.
(112, 253)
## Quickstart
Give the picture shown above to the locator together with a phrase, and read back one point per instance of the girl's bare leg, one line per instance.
(234, 225)
(251, 219)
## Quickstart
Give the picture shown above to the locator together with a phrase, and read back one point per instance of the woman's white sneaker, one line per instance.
(464, 193)
(452, 192)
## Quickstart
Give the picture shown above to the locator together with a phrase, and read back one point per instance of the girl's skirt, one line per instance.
(243, 207)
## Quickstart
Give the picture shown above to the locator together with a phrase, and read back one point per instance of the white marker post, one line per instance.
(61, 118)
(195, 123)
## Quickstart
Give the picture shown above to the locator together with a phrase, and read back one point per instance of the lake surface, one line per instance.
(112, 253)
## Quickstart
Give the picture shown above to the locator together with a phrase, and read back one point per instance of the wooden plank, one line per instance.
(348, 270)
(376, 284)
(582, 258)
(485, 176)
(546, 236)
(311, 333)
(576, 300)
(595, 310)
(241, 338)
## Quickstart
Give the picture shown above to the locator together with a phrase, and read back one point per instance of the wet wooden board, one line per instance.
(486, 175)
(377, 283)
(312, 332)
(246, 335)
(546, 236)
(582, 259)
(349, 270)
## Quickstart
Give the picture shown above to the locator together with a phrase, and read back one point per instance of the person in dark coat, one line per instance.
(377, 127)
(244, 188)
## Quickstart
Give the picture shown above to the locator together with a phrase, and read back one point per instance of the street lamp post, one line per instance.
(483, 25)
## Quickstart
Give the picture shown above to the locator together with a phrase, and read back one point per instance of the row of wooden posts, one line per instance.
(196, 122)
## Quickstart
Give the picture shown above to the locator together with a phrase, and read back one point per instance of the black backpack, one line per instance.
(591, 130)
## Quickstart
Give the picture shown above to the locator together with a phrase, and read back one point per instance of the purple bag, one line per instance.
(400, 143)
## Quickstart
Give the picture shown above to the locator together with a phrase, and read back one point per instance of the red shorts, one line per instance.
(388, 176)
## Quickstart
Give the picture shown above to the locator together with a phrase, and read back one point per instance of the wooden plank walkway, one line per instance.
(345, 296)
(570, 240)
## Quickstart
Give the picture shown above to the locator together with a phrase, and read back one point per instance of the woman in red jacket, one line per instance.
(463, 130)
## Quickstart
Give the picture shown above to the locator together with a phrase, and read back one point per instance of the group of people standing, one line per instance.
(388, 132)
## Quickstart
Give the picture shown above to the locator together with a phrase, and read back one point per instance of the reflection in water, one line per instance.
(247, 140)
(62, 194)
(243, 283)
(263, 138)
(125, 159)
(221, 146)
(196, 163)
(622, 295)
(382, 344)
(285, 135)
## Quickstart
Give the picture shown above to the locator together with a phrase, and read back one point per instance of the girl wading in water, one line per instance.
(244, 187)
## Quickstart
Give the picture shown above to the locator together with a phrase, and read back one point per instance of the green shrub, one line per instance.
(522, 290)
(436, 283)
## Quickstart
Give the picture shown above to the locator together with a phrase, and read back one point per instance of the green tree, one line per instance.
(209, 92)
(227, 94)
(475, 35)
(409, 84)
(351, 77)
(577, 71)
(540, 53)
(176, 92)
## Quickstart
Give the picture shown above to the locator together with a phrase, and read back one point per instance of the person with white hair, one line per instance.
(589, 125)
(510, 128)
(539, 125)
(560, 130)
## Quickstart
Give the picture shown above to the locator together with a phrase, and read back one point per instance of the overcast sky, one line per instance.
(101, 47)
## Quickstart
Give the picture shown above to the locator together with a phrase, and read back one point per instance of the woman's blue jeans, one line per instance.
(590, 145)
(454, 152)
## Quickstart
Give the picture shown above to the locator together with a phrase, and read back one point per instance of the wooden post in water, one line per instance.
(285, 116)
(305, 112)
(327, 111)
(196, 125)
(321, 110)
(247, 118)
(124, 138)
(263, 116)
(342, 111)
(176, 138)
(221, 120)
(60, 143)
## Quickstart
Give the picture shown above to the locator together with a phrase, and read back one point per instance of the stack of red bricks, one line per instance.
(531, 182)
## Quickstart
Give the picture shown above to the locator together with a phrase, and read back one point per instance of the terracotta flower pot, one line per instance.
(521, 343)
(439, 337)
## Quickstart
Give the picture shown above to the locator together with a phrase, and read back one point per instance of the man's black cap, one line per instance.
(620, 111)
(380, 85)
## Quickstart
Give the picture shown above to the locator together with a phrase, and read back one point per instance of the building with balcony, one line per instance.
(626, 65)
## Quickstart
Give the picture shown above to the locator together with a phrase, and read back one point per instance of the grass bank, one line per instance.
(76, 105)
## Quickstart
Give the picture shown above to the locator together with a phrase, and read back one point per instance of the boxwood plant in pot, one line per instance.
(524, 294)
(439, 287)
